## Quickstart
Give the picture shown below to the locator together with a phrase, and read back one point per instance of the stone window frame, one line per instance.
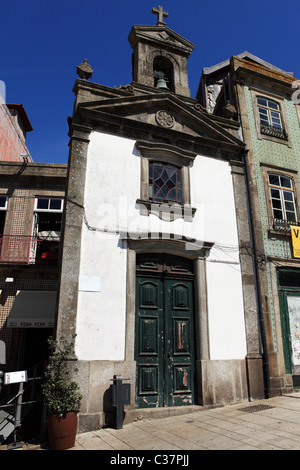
(165, 153)
(260, 93)
(284, 228)
(298, 112)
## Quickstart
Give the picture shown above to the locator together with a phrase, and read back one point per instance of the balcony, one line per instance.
(273, 132)
(20, 249)
(282, 226)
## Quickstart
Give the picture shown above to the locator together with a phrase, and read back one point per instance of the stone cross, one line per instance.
(160, 14)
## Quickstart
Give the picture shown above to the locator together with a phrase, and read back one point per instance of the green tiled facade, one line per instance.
(283, 156)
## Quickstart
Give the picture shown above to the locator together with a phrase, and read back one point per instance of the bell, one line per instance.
(161, 83)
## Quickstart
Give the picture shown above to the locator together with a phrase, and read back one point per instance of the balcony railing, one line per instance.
(273, 132)
(282, 226)
(21, 249)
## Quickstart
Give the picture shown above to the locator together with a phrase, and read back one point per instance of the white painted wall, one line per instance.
(111, 190)
(211, 183)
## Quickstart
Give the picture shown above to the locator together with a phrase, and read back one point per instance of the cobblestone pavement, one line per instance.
(271, 424)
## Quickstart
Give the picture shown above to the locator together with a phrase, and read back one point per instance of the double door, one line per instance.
(164, 339)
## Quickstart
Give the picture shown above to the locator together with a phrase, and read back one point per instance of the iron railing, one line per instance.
(273, 132)
(15, 409)
(22, 249)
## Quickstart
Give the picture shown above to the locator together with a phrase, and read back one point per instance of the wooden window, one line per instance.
(3, 209)
(269, 112)
(3, 203)
(282, 198)
(49, 204)
(270, 118)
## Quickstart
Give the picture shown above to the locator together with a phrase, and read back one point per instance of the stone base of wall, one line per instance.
(222, 382)
(279, 385)
(95, 379)
(219, 383)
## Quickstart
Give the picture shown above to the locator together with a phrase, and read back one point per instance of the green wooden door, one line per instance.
(164, 341)
(285, 329)
(179, 342)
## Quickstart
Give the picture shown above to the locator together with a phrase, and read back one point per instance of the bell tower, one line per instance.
(160, 56)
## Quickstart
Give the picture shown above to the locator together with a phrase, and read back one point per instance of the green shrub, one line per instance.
(60, 391)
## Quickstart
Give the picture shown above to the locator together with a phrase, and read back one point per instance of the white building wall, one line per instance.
(111, 190)
(211, 185)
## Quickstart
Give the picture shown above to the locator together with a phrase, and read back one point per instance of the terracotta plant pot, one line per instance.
(62, 431)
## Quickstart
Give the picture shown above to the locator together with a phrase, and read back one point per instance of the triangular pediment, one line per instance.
(159, 112)
(161, 35)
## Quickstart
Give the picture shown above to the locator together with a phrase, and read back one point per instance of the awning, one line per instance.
(33, 309)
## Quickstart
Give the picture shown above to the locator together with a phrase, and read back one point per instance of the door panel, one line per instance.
(148, 341)
(179, 342)
(164, 342)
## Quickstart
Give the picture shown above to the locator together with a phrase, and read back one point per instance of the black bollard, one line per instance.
(120, 397)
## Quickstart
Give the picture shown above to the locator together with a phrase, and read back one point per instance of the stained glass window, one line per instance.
(164, 182)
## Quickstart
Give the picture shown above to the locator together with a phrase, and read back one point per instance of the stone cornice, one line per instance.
(38, 170)
(267, 81)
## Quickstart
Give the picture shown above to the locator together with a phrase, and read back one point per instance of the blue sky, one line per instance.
(42, 42)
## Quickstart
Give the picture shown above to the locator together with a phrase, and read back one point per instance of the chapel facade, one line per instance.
(157, 276)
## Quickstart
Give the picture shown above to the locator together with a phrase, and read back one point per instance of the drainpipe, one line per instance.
(261, 322)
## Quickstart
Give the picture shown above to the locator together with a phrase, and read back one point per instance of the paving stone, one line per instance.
(264, 428)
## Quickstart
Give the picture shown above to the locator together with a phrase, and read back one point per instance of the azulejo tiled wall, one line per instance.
(283, 156)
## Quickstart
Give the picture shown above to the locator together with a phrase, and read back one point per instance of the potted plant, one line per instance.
(61, 394)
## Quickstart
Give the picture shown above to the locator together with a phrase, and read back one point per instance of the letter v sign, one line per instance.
(295, 231)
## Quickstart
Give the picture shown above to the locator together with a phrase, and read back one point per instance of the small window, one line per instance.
(270, 118)
(49, 204)
(164, 183)
(269, 113)
(282, 198)
(3, 203)
(3, 209)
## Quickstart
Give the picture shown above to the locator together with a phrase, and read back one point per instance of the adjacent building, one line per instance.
(263, 99)
(31, 209)
(157, 277)
(14, 126)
